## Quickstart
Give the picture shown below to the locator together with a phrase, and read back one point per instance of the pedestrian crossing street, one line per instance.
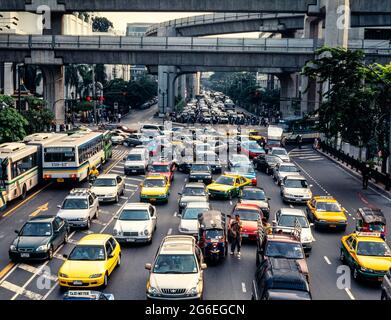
(306, 153)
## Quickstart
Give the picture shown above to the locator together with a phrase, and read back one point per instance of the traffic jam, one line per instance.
(159, 212)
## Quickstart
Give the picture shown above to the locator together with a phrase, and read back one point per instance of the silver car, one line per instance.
(295, 189)
(283, 169)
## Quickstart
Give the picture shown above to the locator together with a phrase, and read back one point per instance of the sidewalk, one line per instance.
(376, 186)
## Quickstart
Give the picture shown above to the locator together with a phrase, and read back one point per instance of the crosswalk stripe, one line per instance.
(20, 291)
(310, 157)
(59, 256)
(28, 268)
(131, 185)
(134, 179)
(116, 171)
(98, 222)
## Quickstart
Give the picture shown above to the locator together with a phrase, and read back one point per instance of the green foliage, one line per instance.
(12, 125)
(7, 100)
(39, 119)
(35, 102)
(101, 24)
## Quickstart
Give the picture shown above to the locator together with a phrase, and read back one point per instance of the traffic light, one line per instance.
(101, 98)
(88, 98)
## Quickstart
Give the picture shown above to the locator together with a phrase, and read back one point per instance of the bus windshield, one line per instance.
(59, 155)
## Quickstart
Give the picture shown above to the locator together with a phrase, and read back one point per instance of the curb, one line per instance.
(379, 187)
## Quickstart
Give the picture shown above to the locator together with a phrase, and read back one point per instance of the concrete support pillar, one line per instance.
(56, 26)
(166, 91)
(197, 83)
(288, 93)
(181, 80)
(53, 78)
(8, 78)
(337, 23)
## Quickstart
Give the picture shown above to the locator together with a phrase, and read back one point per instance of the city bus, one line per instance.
(72, 157)
(18, 170)
(306, 127)
(107, 145)
(41, 140)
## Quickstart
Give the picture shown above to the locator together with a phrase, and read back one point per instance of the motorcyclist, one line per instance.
(94, 172)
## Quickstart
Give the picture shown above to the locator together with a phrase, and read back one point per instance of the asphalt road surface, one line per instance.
(229, 280)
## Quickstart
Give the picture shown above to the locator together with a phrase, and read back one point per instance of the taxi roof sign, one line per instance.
(368, 234)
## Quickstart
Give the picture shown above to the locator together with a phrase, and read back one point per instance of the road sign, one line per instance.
(115, 105)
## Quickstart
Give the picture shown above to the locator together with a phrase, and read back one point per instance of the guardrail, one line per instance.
(355, 164)
(191, 44)
(216, 18)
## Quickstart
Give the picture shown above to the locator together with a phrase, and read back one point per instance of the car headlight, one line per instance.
(12, 247)
(366, 269)
(342, 221)
(152, 291)
(193, 292)
(116, 232)
(146, 232)
(113, 195)
(95, 275)
(307, 239)
(63, 275)
(44, 247)
(182, 204)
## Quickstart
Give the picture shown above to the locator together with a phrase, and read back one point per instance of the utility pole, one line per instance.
(94, 93)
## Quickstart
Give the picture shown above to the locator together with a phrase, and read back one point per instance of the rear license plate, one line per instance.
(200, 180)
(78, 283)
(153, 199)
(244, 235)
(25, 255)
(333, 226)
(134, 171)
(60, 180)
(130, 240)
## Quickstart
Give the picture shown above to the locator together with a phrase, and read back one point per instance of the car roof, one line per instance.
(194, 185)
(368, 236)
(156, 176)
(108, 175)
(287, 164)
(177, 244)
(200, 204)
(44, 218)
(247, 206)
(95, 238)
(295, 177)
(253, 188)
(161, 163)
(137, 206)
(137, 150)
(292, 212)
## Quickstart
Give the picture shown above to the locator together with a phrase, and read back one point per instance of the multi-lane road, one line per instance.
(230, 280)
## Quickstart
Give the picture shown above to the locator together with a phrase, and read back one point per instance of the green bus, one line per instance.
(107, 145)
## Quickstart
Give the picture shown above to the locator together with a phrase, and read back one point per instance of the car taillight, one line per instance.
(73, 176)
(254, 182)
(47, 176)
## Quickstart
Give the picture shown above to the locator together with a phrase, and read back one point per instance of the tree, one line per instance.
(101, 24)
(6, 100)
(12, 125)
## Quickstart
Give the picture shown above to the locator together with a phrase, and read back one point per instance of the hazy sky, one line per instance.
(121, 19)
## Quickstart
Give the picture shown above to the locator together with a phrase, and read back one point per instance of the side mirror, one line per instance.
(17, 231)
(148, 266)
(111, 255)
(180, 193)
(311, 185)
(65, 256)
(274, 222)
(269, 198)
(124, 159)
(59, 206)
(311, 224)
(203, 266)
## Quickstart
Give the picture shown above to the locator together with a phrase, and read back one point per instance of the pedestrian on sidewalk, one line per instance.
(299, 140)
(365, 175)
(236, 237)
(119, 117)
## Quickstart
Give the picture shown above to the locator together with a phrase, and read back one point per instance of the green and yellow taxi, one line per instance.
(255, 135)
(326, 212)
(227, 186)
(367, 254)
(155, 188)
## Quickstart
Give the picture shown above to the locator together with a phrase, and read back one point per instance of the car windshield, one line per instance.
(134, 157)
(288, 169)
(192, 191)
(279, 152)
(134, 215)
(290, 221)
(192, 213)
(160, 168)
(154, 183)
(36, 229)
(225, 180)
(273, 159)
(239, 158)
(287, 250)
(253, 145)
(103, 182)
(214, 234)
(295, 183)
(87, 253)
(247, 215)
(200, 167)
(175, 263)
(242, 169)
(328, 207)
(75, 204)
(253, 195)
(373, 248)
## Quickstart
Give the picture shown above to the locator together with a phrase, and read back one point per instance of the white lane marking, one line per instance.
(327, 260)
(71, 241)
(350, 294)
(134, 179)
(104, 211)
(244, 287)
(175, 214)
(318, 159)
(87, 232)
(169, 231)
(116, 171)
(98, 222)
(131, 185)
(353, 218)
(31, 269)
(20, 291)
(124, 198)
(231, 203)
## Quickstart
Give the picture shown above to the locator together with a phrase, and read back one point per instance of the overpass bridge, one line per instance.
(274, 6)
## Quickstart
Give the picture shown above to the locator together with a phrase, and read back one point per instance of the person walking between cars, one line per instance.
(365, 175)
(299, 140)
(236, 238)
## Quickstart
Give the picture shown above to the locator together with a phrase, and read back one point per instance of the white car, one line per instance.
(118, 138)
(79, 208)
(108, 187)
(287, 217)
(136, 161)
(189, 217)
(281, 153)
(295, 189)
(136, 223)
(283, 169)
(238, 160)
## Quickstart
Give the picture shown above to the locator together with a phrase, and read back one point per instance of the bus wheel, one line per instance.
(24, 192)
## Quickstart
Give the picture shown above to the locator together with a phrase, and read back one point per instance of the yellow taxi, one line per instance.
(227, 186)
(326, 212)
(255, 135)
(155, 188)
(367, 254)
(91, 262)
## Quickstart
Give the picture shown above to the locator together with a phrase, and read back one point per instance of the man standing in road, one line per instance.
(236, 238)
(365, 175)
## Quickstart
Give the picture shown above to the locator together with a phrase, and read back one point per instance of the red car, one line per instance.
(250, 216)
(164, 168)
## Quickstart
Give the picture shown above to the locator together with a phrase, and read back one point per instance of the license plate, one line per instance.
(153, 199)
(78, 283)
(333, 226)
(60, 180)
(130, 240)
(134, 171)
(200, 180)
(244, 235)
(25, 255)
